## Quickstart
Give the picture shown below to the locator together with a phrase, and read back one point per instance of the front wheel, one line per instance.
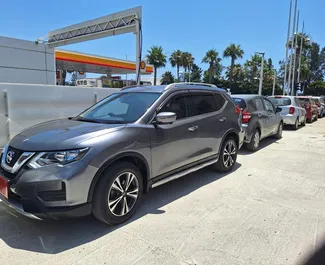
(278, 135)
(227, 156)
(117, 193)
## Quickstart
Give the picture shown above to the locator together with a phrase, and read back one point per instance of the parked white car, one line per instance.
(293, 113)
(320, 106)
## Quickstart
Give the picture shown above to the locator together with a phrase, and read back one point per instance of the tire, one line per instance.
(304, 122)
(254, 144)
(310, 120)
(296, 125)
(278, 135)
(226, 162)
(316, 118)
(112, 187)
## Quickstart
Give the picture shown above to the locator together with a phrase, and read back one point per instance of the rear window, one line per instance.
(240, 103)
(304, 100)
(280, 101)
(316, 100)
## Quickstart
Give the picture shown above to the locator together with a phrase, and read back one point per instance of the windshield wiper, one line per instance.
(87, 120)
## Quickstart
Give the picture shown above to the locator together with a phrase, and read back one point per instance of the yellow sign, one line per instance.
(143, 65)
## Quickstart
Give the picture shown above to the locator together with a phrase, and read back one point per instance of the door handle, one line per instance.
(193, 128)
(223, 119)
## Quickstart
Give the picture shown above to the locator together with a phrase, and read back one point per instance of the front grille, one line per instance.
(12, 156)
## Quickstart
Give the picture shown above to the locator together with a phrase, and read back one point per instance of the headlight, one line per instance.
(60, 157)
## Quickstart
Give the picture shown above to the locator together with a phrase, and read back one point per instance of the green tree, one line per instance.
(157, 58)
(167, 78)
(187, 60)
(234, 52)
(238, 73)
(176, 59)
(211, 57)
(196, 73)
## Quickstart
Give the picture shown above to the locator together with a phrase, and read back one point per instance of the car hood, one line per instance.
(60, 135)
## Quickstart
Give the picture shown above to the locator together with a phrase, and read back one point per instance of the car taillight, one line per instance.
(246, 116)
(238, 111)
(291, 110)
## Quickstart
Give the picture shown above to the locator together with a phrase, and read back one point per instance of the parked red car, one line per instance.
(311, 108)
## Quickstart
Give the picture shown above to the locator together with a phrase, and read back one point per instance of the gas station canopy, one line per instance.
(81, 62)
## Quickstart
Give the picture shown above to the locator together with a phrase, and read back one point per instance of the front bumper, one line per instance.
(50, 192)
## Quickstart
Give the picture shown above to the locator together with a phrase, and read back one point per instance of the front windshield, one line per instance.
(119, 108)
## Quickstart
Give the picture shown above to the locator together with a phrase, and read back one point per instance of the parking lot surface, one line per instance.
(270, 210)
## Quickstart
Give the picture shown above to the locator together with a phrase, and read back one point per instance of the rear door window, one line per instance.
(259, 104)
(220, 101)
(202, 103)
(268, 105)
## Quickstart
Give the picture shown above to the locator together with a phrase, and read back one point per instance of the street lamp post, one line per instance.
(274, 80)
(295, 57)
(287, 48)
(292, 45)
(300, 53)
(261, 73)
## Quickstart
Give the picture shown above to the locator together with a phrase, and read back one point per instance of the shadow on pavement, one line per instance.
(54, 237)
(264, 143)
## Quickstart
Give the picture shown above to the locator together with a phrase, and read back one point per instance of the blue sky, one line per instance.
(193, 26)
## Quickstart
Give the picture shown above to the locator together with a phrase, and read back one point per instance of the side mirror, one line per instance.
(278, 109)
(166, 118)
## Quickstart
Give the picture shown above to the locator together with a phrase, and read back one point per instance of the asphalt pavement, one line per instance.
(270, 210)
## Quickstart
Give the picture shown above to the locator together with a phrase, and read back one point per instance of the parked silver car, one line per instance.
(293, 113)
(320, 106)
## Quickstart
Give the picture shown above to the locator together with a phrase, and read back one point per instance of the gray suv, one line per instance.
(104, 159)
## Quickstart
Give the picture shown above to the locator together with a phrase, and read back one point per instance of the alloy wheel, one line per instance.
(280, 129)
(256, 139)
(123, 194)
(229, 154)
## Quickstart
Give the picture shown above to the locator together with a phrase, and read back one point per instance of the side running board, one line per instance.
(183, 173)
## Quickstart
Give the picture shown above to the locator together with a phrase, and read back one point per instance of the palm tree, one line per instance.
(234, 52)
(238, 73)
(187, 60)
(211, 57)
(157, 58)
(176, 60)
(167, 78)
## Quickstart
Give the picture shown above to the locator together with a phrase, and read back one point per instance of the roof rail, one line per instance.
(127, 87)
(189, 84)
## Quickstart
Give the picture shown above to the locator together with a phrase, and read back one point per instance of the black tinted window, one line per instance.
(259, 104)
(220, 100)
(201, 104)
(177, 105)
(240, 103)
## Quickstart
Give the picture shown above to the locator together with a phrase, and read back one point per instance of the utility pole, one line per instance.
(295, 58)
(261, 73)
(287, 48)
(274, 80)
(300, 54)
(292, 44)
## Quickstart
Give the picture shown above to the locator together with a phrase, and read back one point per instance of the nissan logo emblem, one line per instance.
(10, 156)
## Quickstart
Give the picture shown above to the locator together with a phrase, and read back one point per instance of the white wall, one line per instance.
(24, 61)
(29, 104)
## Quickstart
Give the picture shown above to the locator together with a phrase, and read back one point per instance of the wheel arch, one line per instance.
(231, 133)
(133, 157)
